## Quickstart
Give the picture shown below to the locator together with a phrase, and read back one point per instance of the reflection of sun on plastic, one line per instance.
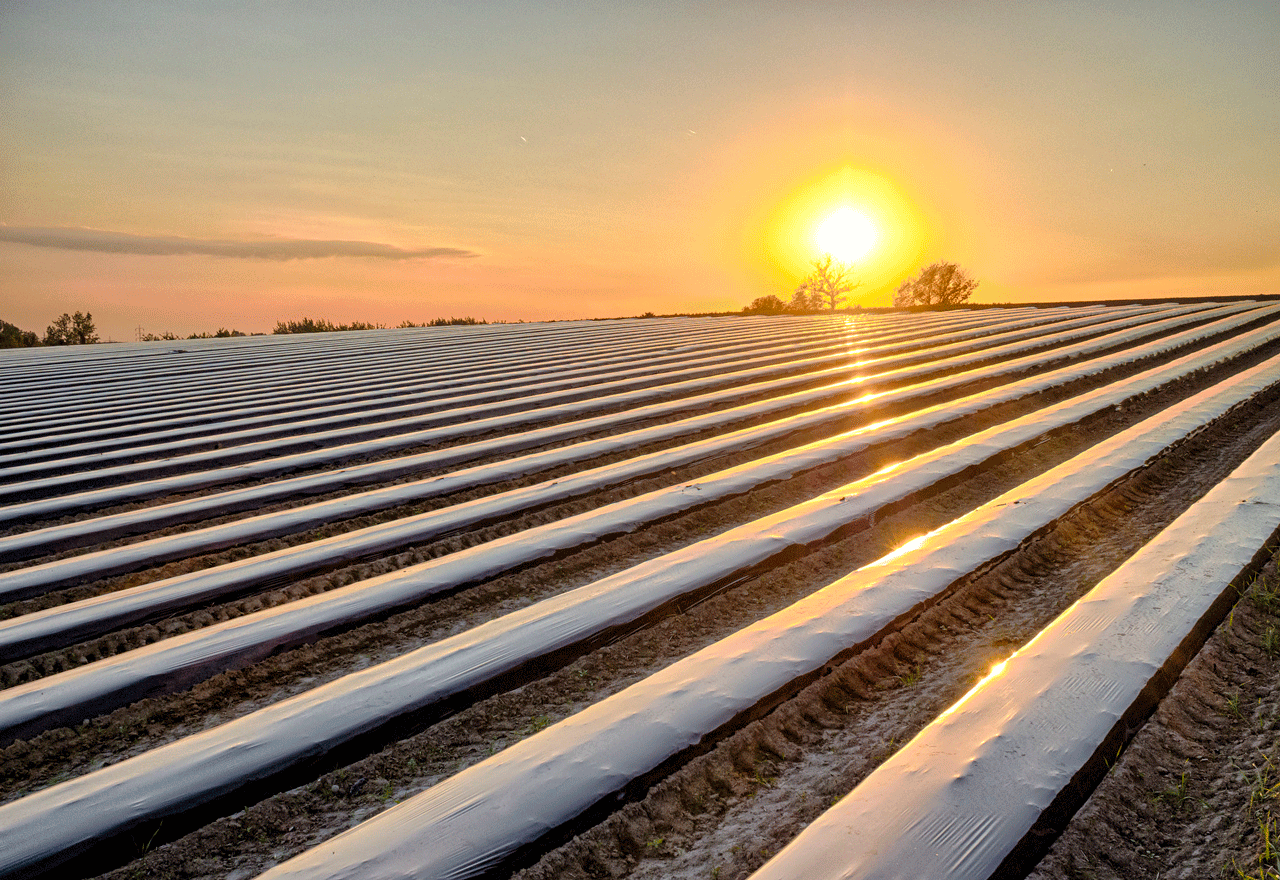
(846, 234)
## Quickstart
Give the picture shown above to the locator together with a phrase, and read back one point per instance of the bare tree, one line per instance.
(826, 285)
(77, 329)
(938, 284)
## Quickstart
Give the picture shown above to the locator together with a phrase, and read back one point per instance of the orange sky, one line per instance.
(185, 167)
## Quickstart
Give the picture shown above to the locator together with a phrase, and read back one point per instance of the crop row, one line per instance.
(570, 412)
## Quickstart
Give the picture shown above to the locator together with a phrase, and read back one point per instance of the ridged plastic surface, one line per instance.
(258, 459)
(73, 534)
(182, 660)
(369, 395)
(266, 377)
(475, 819)
(963, 798)
(56, 627)
(497, 806)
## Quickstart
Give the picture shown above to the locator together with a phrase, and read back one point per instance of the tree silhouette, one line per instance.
(938, 284)
(826, 285)
(765, 305)
(77, 329)
(13, 336)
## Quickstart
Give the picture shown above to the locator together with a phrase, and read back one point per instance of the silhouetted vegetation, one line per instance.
(77, 329)
(320, 325)
(223, 333)
(13, 336)
(443, 322)
(765, 305)
(311, 325)
(825, 287)
(938, 284)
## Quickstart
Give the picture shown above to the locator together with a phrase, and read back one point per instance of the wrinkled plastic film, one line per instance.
(95, 687)
(710, 687)
(962, 797)
(489, 811)
(251, 465)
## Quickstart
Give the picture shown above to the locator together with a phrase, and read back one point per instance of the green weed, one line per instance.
(764, 781)
(1265, 594)
(1176, 796)
(1268, 863)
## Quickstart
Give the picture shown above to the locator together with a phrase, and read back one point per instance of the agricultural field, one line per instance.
(975, 593)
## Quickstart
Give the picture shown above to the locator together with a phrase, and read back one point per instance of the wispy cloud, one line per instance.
(103, 241)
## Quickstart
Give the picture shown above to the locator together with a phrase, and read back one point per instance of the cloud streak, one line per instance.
(282, 249)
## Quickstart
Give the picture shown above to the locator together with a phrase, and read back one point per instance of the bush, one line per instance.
(765, 305)
(442, 322)
(310, 325)
(13, 336)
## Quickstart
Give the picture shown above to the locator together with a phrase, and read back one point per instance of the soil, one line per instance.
(721, 812)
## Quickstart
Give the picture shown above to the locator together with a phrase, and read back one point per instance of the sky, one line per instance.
(181, 167)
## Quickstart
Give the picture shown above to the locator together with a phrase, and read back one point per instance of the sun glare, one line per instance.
(859, 217)
(846, 234)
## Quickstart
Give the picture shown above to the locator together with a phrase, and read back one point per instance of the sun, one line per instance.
(847, 234)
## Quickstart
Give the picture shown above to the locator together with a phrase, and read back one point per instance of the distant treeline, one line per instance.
(223, 333)
(66, 329)
(320, 325)
(78, 329)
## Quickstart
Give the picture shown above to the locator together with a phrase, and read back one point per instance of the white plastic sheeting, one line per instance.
(304, 425)
(602, 749)
(449, 424)
(184, 659)
(363, 400)
(974, 793)
(187, 377)
(472, 821)
(25, 544)
(402, 370)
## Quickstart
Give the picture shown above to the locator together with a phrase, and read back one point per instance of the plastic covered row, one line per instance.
(375, 401)
(474, 820)
(467, 412)
(350, 476)
(36, 579)
(228, 369)
(622, 598)
(67, 624)
(982, 790)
